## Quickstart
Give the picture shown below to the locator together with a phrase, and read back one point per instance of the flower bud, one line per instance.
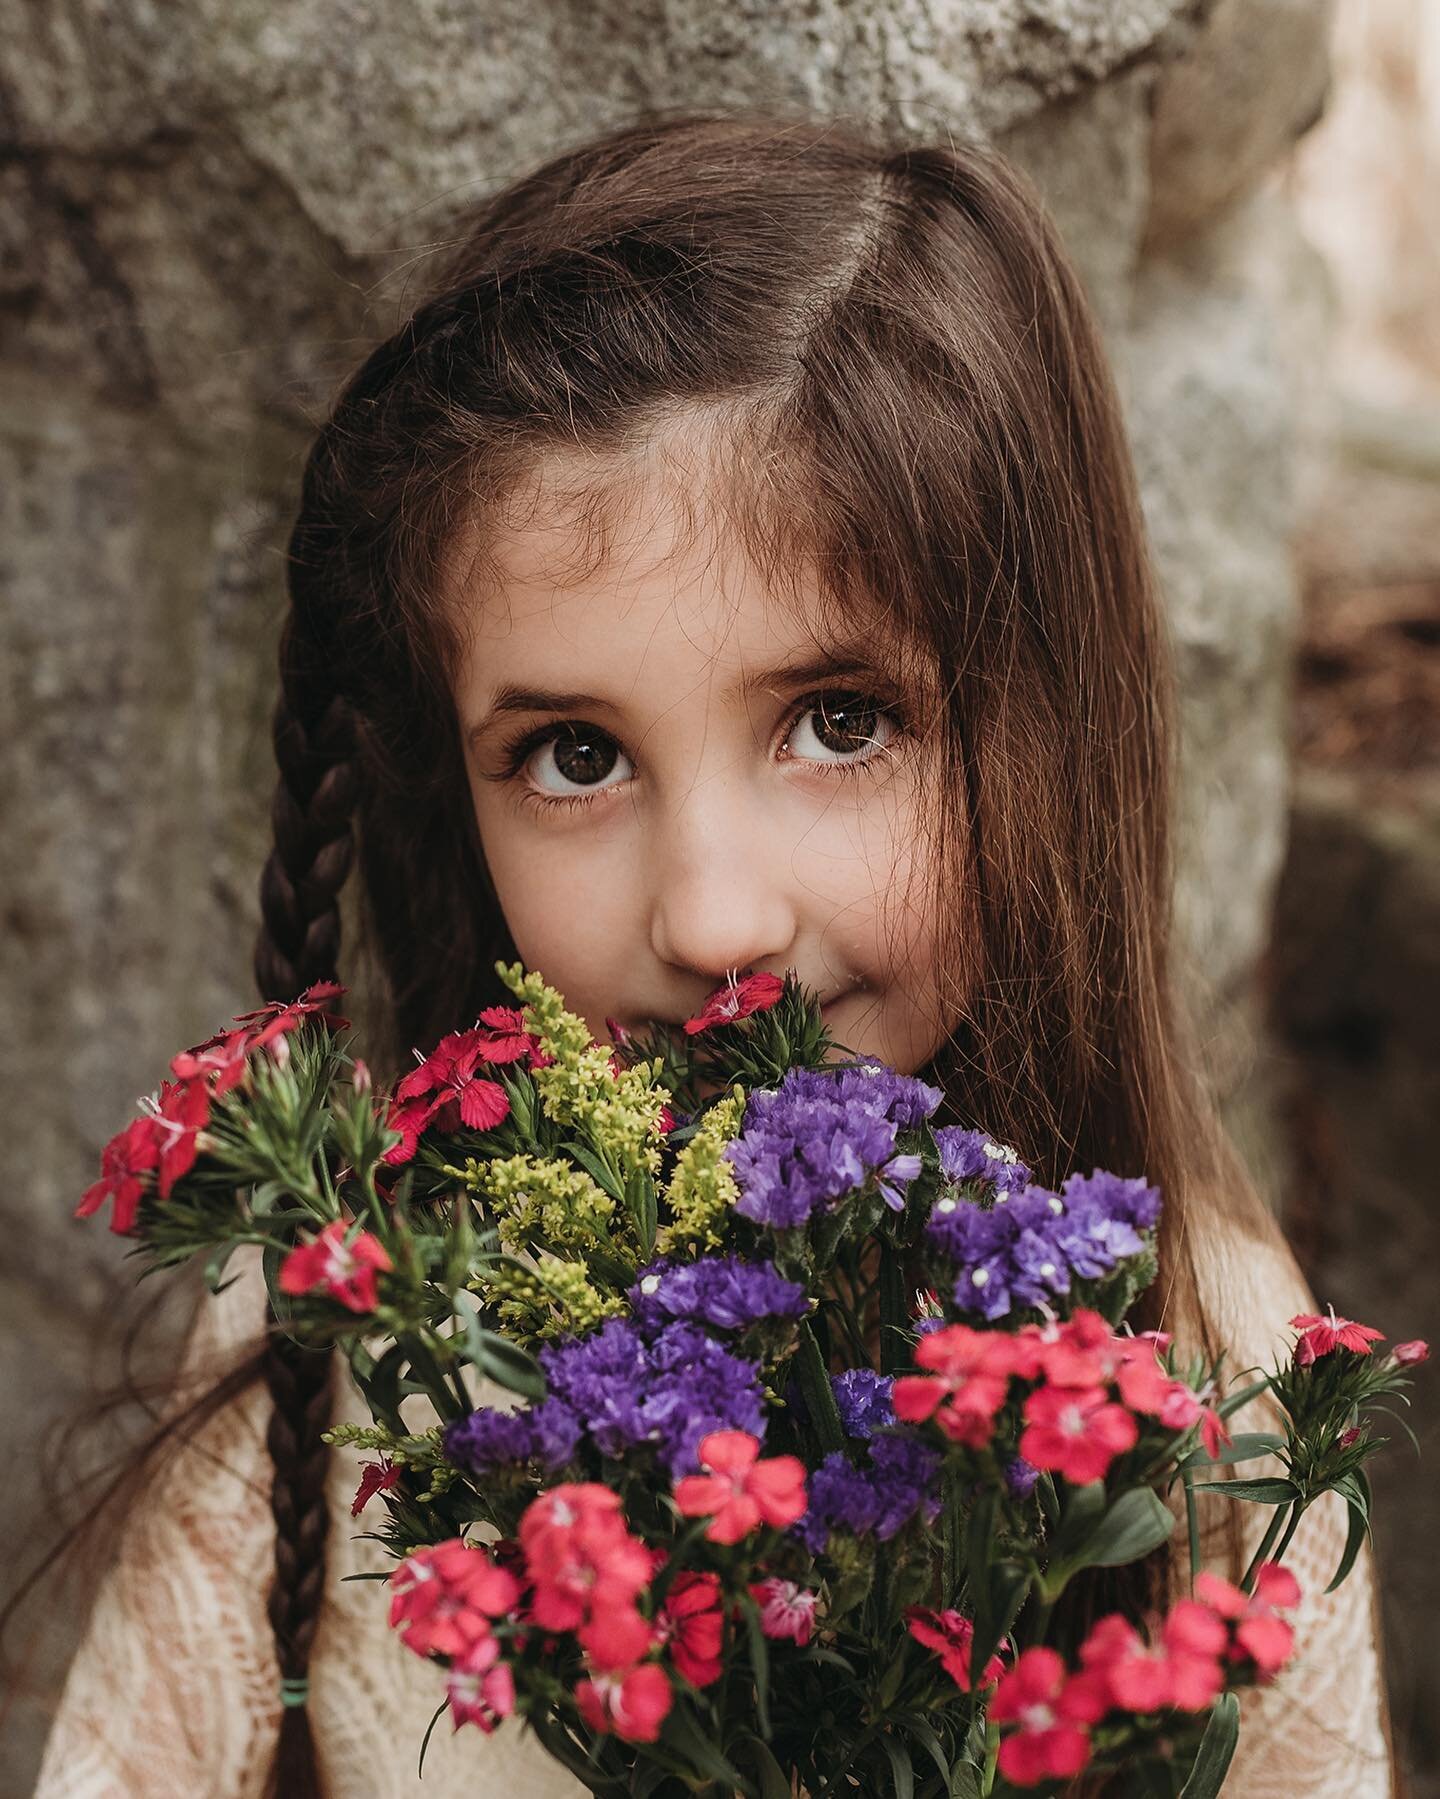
(360, 1077)
(1408, 1355)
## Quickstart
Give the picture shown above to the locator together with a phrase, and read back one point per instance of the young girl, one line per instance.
(735, 563)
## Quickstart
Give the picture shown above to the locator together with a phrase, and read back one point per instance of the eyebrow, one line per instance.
(511, 698)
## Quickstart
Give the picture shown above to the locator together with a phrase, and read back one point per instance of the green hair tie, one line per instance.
(295, 1690)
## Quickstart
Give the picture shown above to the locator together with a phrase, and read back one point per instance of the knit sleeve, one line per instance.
(1321, 1726)
(175, 1690)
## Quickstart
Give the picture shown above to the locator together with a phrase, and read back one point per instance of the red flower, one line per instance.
(1054, 1711)
(480, 1687)
(950, 1635)
(1319, 1336)
(736, 999)
(343, 1271)
(971, 1378)
(501, 1036)
(1075, 1431)
(1258, 1633)
(279, 1016)
(375, 1477)
(585, 1565)
(786, 1610)
(633, 1705)
(443, 1597)
(692, 1626)
(740, 1493)
(181, 1115)
(135, 1151)
(446, 1091)
(1181, 1670)
(224, 1056)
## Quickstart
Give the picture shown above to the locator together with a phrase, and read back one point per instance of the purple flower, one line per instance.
(1025, 1250)
(882, 1498)
(976, 1156)
(620, 1391)
(862, 1398)
(812, 1140)
(1020, 1477)
(725, 1292)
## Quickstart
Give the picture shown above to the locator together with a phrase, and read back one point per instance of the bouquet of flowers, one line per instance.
(768, 1429)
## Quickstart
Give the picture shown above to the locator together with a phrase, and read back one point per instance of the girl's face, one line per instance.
(670, 785)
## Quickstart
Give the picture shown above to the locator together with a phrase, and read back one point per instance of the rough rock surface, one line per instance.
(207, 211)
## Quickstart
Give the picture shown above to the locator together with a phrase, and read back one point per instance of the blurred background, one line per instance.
(206, 218)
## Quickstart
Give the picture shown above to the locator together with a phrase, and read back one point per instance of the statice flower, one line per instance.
(807, 1143)
(620, 1390)
(725, 1292)
(862, 1398)
(975, 1156)
(1025, 1250)
(898, 1484)
(488, 1439)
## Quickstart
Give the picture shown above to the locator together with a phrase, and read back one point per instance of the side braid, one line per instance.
(299, 943)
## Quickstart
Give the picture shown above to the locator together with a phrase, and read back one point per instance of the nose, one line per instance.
(721, 894)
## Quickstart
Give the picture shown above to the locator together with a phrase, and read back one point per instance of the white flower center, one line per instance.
(980, 1278)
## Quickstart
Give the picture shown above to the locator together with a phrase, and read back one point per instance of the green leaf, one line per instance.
(1359, 1530)
(931, 1744)
(1233, 1402)
(215, 1266)
(1138, 1522)
(1242, 1448)
(902, 1769)
(1005, 1586)
(425, 1740)
(1192, 1526)
(1262, 1492)
(774, 1783)
(816, 1391)
(596, 1169)
(682, 1733)
(759, 1662)
(1217, 1746)
(496, 1357)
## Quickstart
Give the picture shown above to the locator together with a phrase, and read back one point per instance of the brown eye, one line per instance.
(573, 756)
(843, 725)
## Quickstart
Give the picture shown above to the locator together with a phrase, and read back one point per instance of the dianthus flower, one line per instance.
(632, 1705)
(967, 1386)
(128, 1156)
(1181, 1670)
(443, 1597)
(738, 1492)
(1321, 1335)
(807, 1143)
(725, 1292)
(1257, 1631)
(344, 1270)
(1054, 1710)
(480, 1687)
(787, 1611)
(375, 1477)
(1075, 1431)
(691, 1625)
(588, 1571)
(736, 999)
(445, 1091)
(950, 1634)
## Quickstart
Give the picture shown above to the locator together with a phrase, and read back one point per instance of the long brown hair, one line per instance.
(893, 347)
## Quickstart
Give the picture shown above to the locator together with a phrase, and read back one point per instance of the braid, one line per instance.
(299, 943)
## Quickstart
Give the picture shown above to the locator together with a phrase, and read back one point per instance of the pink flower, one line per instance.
(443, 1597)
(1182, 1669)
(736, 999)
(786, 1610)
(343, 1271)
(968, 1386)
(1053, 1710)
(632, 1705)
(267, 1024)
(480, 1687)
(1075, 1431)
(375, 1477)
(134, 1152)
(950, 1634)
(1319, 1336)
(1409, 1355)
(692, 1627)
(1258, 1633)
(585, 1565)
(740, 1492)
(180, 1117)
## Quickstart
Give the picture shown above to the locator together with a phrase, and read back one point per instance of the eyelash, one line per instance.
(518, 751)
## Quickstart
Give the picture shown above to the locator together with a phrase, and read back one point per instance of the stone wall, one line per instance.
(206, 212)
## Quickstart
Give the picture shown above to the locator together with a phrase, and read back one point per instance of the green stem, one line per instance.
(815, 1389)
(1267, 1542)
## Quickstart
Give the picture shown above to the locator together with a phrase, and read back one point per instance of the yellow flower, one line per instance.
(702, 1189)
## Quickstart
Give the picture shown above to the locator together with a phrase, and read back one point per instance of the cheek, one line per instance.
(871, 866)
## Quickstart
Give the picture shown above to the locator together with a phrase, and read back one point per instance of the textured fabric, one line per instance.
(174, 1689)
